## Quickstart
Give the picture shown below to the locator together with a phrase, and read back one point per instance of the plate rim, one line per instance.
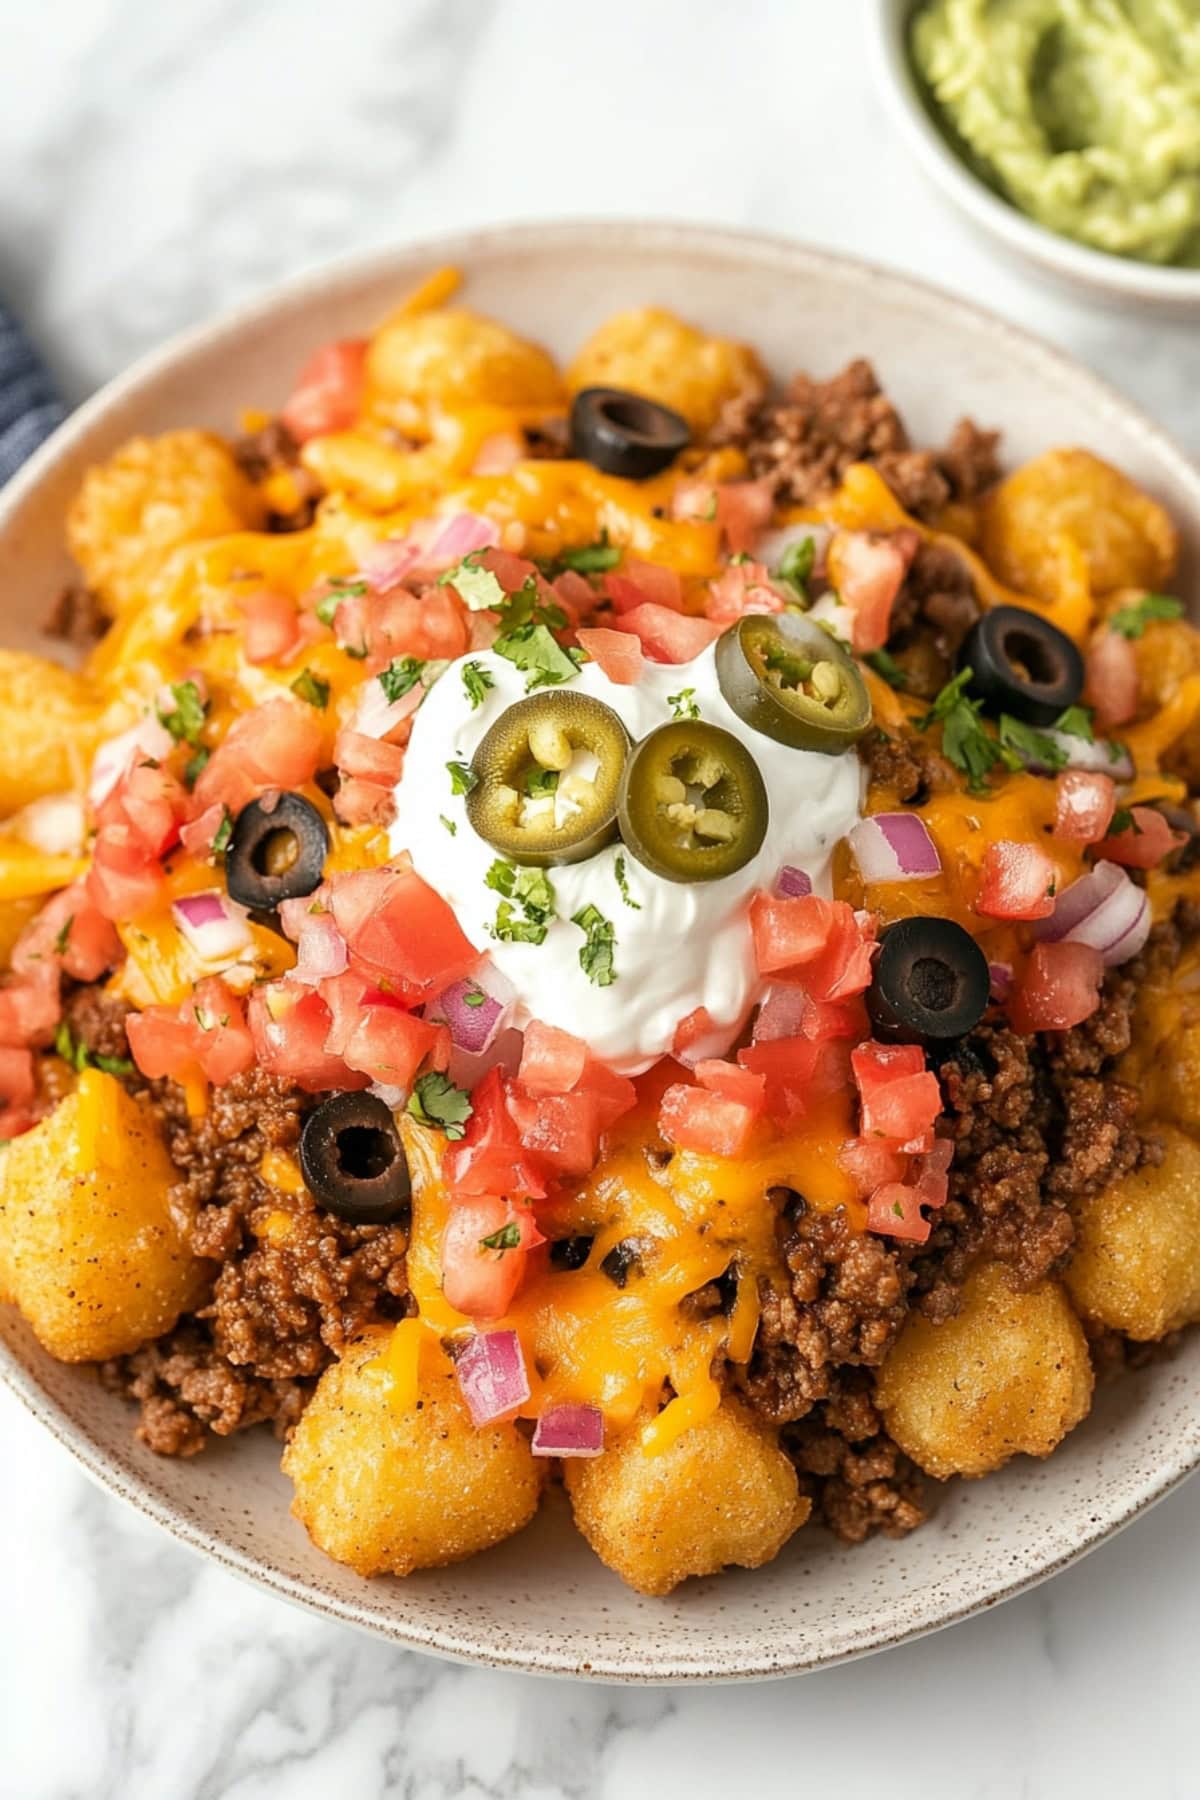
(665, 236)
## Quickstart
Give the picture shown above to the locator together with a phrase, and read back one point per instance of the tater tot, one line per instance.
(1010, 1373)
(1136, 1266)
(652, 352)
(418, 362)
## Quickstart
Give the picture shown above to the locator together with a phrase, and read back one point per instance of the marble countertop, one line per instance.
(156, 164)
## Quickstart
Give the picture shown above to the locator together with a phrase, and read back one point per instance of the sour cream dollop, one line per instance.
(682, 945)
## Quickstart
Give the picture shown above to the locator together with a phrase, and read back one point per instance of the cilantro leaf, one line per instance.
(195, 766)
(462, 777)
(310, 687)
(796, 567)
(474, 999)
(1124, 820)
(1028, 745)
(596, 956)
(75, 1052)
(451, 827)
(683, 704)
(541, 781)
(223, 833)
(185, 720)
(1077, 722)
(964, 741)
(507, 1238)
(436, 1101)
(623, 883)
(400, 677)
(476, 680)
(887, 668)
(534, 650)
(329, 602)
(63, 938)
(592, 559)
(529, 904)
(1131, 621)
(477, 588)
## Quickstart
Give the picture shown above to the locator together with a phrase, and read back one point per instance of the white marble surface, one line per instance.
(156, 163)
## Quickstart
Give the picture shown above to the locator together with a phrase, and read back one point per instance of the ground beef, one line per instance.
(76, 618)
(274, 451)
(908, 764)
(803, 442)
(1115, 1354)
(186, 1389)
(932, 614)
(97, 1021)
(858, 1480)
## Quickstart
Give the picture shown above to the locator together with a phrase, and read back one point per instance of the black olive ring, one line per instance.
(930, 982)
(352, 1159)
(277, 851)
(625, 434)
(1022, 664)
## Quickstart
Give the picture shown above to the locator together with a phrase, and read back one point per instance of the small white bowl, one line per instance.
(1113, 279)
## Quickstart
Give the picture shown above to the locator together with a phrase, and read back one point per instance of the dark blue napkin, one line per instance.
(29, 406)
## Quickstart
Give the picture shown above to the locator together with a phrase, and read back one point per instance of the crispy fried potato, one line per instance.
(389, 1490)
(1136, 1266)
(1127, 538)
(722, 1493)
(418, 362)
(88, 1248)
(652, 352)
(50, 724)
(1167, 652)
(1010, 1373)
(151, 496)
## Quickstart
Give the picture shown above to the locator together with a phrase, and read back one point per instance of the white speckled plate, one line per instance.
(541, 1602)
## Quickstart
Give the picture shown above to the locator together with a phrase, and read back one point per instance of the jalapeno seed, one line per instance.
(547, 778)
(786, 678)
(693, 804)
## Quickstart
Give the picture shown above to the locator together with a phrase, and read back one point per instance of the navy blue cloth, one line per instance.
(29, 405)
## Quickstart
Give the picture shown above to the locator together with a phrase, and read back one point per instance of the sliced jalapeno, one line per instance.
(546, 779)
(693, 804)
(790, 680)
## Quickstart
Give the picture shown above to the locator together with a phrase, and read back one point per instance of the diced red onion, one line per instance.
(781, 1014)
(473, 1026)
(375, 716)
(569, 1431)
(215, 926)
(391, 1096)
(1000, 979)
(894, 847)
(464, 533)
(385, 564)
(147, 739)
(1104, 909)
(1100, 756)
(492, 1376)
(794, 884)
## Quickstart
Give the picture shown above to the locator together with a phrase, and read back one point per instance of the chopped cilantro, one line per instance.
(462, 777)
(528, 892)
(526, 607)
(887, 668)
(477, 588)
(357, 651)
(683, 704)
(310, 687)
(451, 827)
(507, 1238)
(596, 956)
(476, 680)
(1131, 621)
(223, 833)
(185, 720)
(475, 998)
(623, 883)
(965, 742)
(534, 650)
(541, 781)
(1026, 744)
(400, 677)
(436, 1101)
(1077, 722)
(61, 941)
(1124, 820)
(592, 559)
(329, 602)
(796, 567)
(75, 1052)
(195, 766)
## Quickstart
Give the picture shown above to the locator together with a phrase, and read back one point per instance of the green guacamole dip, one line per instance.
(1084, 113)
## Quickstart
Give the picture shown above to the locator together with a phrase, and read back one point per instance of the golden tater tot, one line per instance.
(1136, 1266)
(1167, 652)
(151, 496)
(1009, 1374)
(723, 1492)
(389, 1489)
(418, 362)
(651, 352)
(88, 1246)
(1127, 538)
(50, 724)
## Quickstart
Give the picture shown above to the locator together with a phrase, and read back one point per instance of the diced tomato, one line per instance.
(277, 744)
(867, 570)
(162, 1043)
(788, 1065)
(367, 758)
(871, 1163)
(225, 1047)
(198, 834)
(289, 1024)
(733, 1082)
(615, 654)
(512, 572)
(30, 1006)
(560, 1130)
(552, 1061)
(360, 802)
(272, 630)
(1144, 841)
(930, 1174)
(430, 626)
(741, 589)
(151, 803)
(613, 1095)
(638, 582)
(692, 1030)
(90, 945)
(900, 1097)
(894, 1210)
(574, 593)
(400, 929)
(390, 1045)
(1084, 805)
(328, 395)
(1058, 987)
(491, 1159)
(693, 1119)
(478, 1279)
(669, 637)
(122, 882)
(1017, 881)
(744, 510)
(16, 1076)
(1111, 679)
(823, 944)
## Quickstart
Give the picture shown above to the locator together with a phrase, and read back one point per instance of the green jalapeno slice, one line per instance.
(693, 805)
(547, 776)
(785, 677)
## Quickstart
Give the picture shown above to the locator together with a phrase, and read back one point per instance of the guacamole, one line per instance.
(1084, 113)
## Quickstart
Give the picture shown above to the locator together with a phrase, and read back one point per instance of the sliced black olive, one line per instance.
(785, 677)
(1022, 664)
(276, 851)
(546, 779)
(625, 434)
(352, 1159)
(570, 1252)
(623, 1260)
(693, 803)
(930, 982)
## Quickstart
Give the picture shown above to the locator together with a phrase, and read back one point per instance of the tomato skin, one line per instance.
(16, 1077)
(1058, 987)
(277, 744)
(475, 1280)
(612, 1095)
(900, 1098)
(692, 1118)
(1017, 881)
(666, 636)
(122, 882)
(615, 654)
(272, 630)
(733, 1081)
(744, 510)
(867, 570)
(1111, 679)
(491, 1158)
(871, 1163)
(431, 627)
(1085, 801)
(289, 1025)
(742, 589)
(1143, 844)
(823, 944)
(552, 1061)
(894, 1210)
(561, 1131)
(787, 1066)
(401, 930)
(390, 1045)
(207, 1033)
(638, 582)
(368, 759)
(92, 946)
(328, 394)
(30, 1009)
